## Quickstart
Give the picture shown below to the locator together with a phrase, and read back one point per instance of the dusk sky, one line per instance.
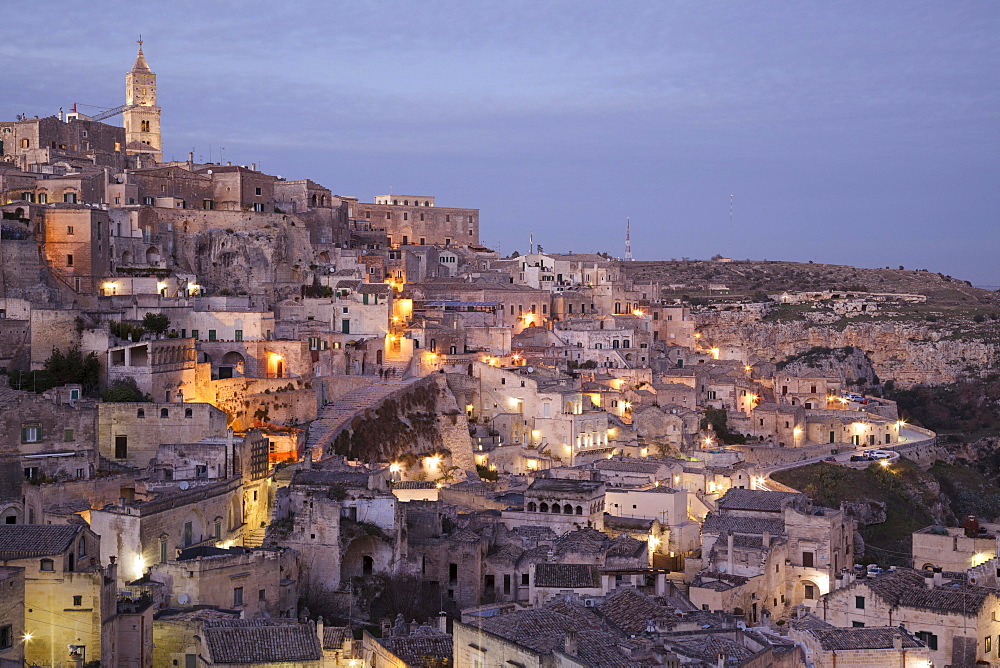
(863, 133)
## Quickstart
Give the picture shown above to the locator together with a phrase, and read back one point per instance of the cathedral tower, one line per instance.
(142, 121)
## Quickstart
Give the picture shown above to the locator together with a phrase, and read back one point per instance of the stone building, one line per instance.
(412, 220)
(130, 433)
(77, 246)
(827, 646)
(259, 582)
(954, 619)
(770, 551)
(69, 598)
(562, 505)
(12, 615)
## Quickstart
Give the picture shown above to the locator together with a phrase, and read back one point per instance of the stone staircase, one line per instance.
(254, 538)
(340, 411)
(401, 368)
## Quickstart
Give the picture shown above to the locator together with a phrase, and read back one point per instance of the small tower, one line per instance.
(628, 240)
(142, 121)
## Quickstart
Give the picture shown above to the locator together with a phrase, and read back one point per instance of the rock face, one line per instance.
(906, 352)
(850, 364)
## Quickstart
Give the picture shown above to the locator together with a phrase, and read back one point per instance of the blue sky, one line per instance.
(862, 133)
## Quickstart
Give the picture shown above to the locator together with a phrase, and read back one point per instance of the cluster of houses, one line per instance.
(249, 422)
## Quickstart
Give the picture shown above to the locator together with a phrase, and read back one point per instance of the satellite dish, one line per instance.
(531, 369)
(184, 484)
(183, 599)
(209, 172)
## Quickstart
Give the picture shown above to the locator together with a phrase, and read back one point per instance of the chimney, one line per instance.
(766, 539)
(253, 166)
(897, 642)
(569, 643)
(442, 622)
(938, 577)
(729, 553)
(319, 630)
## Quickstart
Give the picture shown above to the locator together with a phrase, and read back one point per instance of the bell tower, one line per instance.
(142, 121)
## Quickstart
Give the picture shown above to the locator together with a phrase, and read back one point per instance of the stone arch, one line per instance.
(579, 510)
(532, 507)
(567, 509)
(234, 362)
(312, 200)
(126, 259)
(554, 509)
(152, 255)
(10, 515)
(800, 592)
(928, 567)
(365, 555)
(19, 212)
(544, 508)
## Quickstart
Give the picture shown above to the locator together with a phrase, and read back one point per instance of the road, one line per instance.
(907, 437)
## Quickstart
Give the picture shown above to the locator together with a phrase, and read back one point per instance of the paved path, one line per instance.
(341, 410)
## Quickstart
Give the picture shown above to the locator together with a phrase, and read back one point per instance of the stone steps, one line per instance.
(341, 410)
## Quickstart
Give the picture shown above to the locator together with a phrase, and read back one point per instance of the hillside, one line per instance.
(743, 278)
(891, 503)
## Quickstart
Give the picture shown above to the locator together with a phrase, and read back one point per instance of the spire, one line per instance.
(140, 59)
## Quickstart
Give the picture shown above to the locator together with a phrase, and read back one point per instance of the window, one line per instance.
(239, 334)
(262, 595)
(859, 602)
(257, 206)
(256, 191)
(810, 592)
(988, 645)
(67, 434)
(188, 534)
(163, 550)
(69, 260)
(148, 201)
(452, 572)
(237, 596)
(69, 198)
(78, 601)
(6, 637)
(194, 333)
(43, 198)
(524, 580)
(31, 433)
(164, 413)
(188, 413)
(928, 638)
(47, 565)
(807, 559)
(211, 335)
(69, 230)
(858, 625)
(141, 413)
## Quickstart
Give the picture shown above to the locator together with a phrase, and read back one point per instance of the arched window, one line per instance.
(555, 508)
(568, 509)
(532, 507)
(367, 565)
(579, 510)
(141, 413)
(188, 413)
(544, 507)
(164, 413)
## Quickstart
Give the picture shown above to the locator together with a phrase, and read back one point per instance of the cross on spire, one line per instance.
(139, 41)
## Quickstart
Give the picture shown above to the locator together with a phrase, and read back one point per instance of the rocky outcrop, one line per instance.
(906, 352)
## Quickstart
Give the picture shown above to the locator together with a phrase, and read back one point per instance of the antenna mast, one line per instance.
(730, 227)
(628, 240)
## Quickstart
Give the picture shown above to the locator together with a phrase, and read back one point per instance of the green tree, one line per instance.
(156, 323)
(124, 390)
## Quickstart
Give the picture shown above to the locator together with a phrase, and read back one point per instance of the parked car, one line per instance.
(829, 459)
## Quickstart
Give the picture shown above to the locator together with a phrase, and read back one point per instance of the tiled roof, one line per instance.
(563, 486)
(624, 545)
(508, 552)
(908, 587)
(261, 641)
(20, 541)
(540, 630)
(720, 524)
(419, 650)
(567, 576)
(879, 637)
(631, 611)
(334, 636)
(708, 647)
(374, 288)
(628, 466)
(414, 484)
(588, 540)
(640, 523)
(810, 622)
(752, 499)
